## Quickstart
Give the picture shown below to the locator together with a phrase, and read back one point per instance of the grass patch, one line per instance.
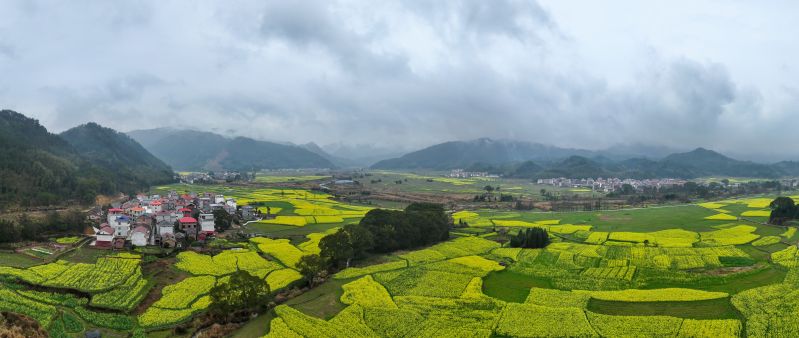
(18, 260)
(704, 309)
(257, 327)
(84, 255)
(512, 286)
(731, 284)
(687, 217)
(284, 231)
(322, 301)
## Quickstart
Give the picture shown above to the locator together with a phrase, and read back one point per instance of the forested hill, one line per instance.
(197, 150)
(526, 160)
(41, 168)
(132, 165)
(461, 154)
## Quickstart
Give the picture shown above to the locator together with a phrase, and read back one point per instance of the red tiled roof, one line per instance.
(137, 209)
(188, 220)
(115, 210)
(141, 229)
(107, 230)
(156, 203)
(184, 209)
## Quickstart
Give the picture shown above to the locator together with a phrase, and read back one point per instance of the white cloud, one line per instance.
(411, 73)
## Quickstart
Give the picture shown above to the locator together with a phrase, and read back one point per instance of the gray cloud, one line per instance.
(407, 74)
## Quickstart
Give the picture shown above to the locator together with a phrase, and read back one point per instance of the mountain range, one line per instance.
(39, 168)
(198, 150)
(533, 160)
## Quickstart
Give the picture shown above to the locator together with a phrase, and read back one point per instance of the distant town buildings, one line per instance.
(210, 177)
(610, 184)
(460, 173)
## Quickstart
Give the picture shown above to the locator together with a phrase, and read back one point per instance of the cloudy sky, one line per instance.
(591, 74)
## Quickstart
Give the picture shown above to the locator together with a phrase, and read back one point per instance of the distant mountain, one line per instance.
(787, 168)
(340, 162)
(703, 162)
(40, 168)
(462, 154)
(197, 150)
(627, 151)
(360, 155)
(574, 167)
(531, 160)
(118, 153)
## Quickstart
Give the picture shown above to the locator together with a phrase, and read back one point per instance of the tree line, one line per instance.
(26, 228)
(380, 231)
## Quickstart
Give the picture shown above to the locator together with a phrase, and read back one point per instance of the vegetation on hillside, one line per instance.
(40, 168)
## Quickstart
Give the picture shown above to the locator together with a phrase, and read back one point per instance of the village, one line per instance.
(607, 185)
(169, 221)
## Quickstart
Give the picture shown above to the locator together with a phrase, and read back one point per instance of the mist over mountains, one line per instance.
(42, 167)
(533, 160)
(199, 150)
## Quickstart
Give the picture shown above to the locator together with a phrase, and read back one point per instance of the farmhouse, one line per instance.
(103, 236)
(189, 226)
(121, 225)
(139, 235)
(207, 224)
(155, 206)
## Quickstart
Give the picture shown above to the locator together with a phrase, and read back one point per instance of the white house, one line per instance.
(103, 236)
(121, 226)
(139, 236)
(165, 227)
(207, 223)
(219, 199)
(113, 213)
(137, 211)
(156, 206)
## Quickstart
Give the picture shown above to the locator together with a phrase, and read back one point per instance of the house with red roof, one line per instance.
(113, 213)
(136, 211)
(156, 206)
(189, 225)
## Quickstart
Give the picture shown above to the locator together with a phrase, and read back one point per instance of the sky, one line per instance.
(408, 74)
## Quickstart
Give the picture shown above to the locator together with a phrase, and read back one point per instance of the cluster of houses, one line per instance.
(162, 220)
(460, 173)
(211, 177)
(610, 184)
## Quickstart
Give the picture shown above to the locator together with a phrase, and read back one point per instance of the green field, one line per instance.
(659, 249)
(438, 183)
(703, 309)
(679, 270)
(18, 260)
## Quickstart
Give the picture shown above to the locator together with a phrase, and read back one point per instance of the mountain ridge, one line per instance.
(185, 149)
(38, 167)
(524, 159)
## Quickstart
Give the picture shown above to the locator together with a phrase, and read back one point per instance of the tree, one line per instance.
(532, 238)
(782, 209)
(360, 239)
(419, 224)
(222, 220)
(627, 189)
(310, 266)
(336, 248)
(243, 291)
